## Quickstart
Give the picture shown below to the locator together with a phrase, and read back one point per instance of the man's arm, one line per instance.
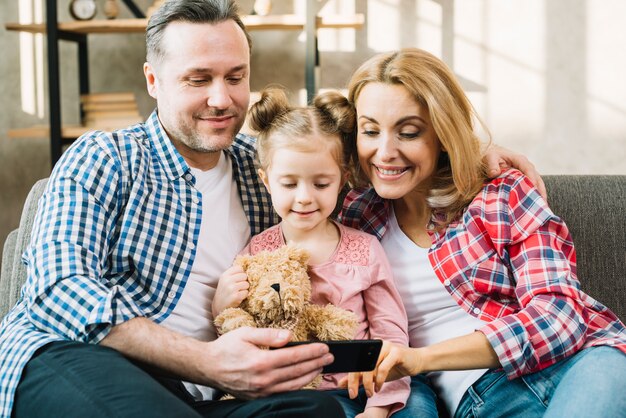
(234, 362)
(499, 159)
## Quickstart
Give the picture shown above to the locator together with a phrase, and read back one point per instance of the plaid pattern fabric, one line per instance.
(113, 239)
(511, 262)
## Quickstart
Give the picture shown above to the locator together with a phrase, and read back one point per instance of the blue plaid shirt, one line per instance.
(114, 239)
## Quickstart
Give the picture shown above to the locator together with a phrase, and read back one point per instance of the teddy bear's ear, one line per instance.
(298, 254)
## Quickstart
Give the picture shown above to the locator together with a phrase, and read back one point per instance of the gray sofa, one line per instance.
(593, 206)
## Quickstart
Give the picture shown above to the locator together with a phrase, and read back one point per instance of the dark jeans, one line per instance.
(70, 379)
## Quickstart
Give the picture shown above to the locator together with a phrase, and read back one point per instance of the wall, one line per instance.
(546, 76)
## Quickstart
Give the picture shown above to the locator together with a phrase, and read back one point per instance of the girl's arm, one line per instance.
(387, 320)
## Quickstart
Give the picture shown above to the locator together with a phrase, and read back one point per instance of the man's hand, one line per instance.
(499, 159)
(232, 289)
(234, 362)
(237, 365)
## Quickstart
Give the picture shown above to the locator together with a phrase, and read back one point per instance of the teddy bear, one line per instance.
(279, 297)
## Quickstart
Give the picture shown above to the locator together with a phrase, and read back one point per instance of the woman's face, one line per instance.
(397, 145)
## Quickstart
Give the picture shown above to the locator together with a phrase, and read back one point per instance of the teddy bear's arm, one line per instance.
(331, 322)
(233, 318)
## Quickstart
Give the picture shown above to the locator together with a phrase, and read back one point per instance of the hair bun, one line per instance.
(273, 103)
(336, 107)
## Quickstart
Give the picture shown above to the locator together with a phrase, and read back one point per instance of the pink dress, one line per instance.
(356, 277)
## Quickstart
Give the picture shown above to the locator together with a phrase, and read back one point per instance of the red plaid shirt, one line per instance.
(511, 262)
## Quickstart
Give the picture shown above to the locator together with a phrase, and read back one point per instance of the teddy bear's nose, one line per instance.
(276, 287)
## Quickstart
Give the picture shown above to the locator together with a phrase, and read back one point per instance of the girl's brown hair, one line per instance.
(329, 122)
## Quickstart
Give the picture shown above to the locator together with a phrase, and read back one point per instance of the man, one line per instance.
(133, 230)
(131, 236)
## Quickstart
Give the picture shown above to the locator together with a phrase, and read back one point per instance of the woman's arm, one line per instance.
(471, 351)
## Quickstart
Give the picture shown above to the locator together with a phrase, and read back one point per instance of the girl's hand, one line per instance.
(394, 362)
(232, 289)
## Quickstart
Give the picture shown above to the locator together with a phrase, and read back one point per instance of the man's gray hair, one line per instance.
(192, 11)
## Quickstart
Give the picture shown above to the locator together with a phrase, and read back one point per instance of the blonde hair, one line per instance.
(328, 122)
(460, 170)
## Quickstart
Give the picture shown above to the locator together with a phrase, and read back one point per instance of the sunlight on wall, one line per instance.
(31, 59)
(343, 40)
(383, 23)
(605, 83)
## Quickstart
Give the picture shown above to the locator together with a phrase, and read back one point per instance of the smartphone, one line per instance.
(350, 355)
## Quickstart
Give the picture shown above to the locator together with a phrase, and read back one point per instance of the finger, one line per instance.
(541, 188)
(353, 384)
(382, 371)
(492, 160)
(368, 383)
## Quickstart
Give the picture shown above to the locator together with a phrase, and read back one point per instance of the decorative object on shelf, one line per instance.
(155, 5)
(83, 9)
(111, 9)
(262, 7)
(110, 111)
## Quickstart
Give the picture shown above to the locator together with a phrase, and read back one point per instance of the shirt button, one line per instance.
(171, 294)
(476, 311)
(581, 320)
(192, 246)
(195, 199)
(446, 282)
(188, 177)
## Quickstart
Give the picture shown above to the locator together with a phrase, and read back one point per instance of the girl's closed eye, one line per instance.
(322, 185)
(288, 185)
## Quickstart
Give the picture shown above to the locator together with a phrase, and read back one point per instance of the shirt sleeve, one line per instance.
(539, 252)
(388, 321)
(65, 291)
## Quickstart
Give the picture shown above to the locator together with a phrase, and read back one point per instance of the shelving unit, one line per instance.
(78, 32)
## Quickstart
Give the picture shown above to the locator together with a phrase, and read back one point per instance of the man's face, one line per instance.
(202, 87)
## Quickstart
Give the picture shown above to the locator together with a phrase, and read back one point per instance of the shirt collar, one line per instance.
(172, 162)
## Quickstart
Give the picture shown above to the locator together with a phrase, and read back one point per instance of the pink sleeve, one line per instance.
(388, 321)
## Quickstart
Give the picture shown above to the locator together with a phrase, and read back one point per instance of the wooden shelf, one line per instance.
(77, 31)
(68, 132)
(252, 22)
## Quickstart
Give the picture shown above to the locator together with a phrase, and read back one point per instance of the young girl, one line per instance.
(301, 157)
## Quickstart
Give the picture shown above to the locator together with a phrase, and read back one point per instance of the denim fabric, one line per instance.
(422, 401)
(591, 383)
(76, 380)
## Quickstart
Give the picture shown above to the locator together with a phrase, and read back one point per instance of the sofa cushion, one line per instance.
(594, 209)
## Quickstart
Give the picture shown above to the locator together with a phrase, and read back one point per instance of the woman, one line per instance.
(486, 271)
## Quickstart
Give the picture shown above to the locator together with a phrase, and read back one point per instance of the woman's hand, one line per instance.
(232, 289)
(499, 159)
(394, 362)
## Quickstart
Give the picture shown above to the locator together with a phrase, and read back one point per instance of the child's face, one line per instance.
(304, 186)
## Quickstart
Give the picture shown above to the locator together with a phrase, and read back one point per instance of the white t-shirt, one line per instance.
(224, 232)
(433, 314)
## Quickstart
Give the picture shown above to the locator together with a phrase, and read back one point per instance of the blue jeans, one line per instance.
(70, 379)
(421, 403)
(591, 383)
